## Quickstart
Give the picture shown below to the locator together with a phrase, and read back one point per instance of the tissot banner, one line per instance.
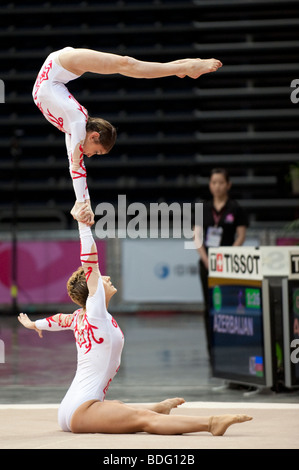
(254, 263)
(235, 262)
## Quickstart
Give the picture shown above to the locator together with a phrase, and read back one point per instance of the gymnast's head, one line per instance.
(78, 291)
(100, 137)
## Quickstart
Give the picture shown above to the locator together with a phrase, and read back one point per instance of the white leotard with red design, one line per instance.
(99, 339)
(60, 108)
(99, 342)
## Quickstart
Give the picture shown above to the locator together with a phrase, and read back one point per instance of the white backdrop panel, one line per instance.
(160, 271)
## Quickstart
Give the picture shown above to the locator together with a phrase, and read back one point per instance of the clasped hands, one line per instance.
(82, 212)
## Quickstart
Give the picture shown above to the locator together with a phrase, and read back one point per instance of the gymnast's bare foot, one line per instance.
(219, 424)
(165, 407)
(197, 67)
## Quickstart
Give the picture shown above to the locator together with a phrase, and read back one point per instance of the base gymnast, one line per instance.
(99, 342)
(85, 135)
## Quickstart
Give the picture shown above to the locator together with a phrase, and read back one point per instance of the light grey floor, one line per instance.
(164, 356)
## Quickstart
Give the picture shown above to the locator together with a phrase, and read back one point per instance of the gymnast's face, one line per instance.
(109, 288)
(92, 146)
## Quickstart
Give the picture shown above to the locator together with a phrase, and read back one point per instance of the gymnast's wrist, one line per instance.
(82, 203)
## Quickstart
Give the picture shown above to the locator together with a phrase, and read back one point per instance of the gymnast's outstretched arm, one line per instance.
(89, 253)
(79, 61)
(57, 322)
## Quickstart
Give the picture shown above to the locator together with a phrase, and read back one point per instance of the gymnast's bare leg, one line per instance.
(79, 61)
(114, 417)
(163, 407)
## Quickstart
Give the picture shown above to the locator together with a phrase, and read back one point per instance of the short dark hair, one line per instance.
(221, 171)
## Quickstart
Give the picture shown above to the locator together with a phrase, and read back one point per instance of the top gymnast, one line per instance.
(99, 342)
(85, 135)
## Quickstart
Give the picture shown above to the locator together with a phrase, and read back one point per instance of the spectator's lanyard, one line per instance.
(217, 217)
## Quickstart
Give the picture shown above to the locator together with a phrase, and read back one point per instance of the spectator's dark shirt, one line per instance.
(226, 221)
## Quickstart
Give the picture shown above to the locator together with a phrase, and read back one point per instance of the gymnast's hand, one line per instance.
(82, 212)
(25, 320)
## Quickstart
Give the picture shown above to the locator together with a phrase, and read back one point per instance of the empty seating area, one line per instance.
(171, 131)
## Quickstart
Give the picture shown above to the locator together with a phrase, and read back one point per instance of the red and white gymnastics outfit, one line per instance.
(99, 342)
(60, 108)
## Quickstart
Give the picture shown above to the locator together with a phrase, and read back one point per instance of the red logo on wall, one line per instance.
(219, 262)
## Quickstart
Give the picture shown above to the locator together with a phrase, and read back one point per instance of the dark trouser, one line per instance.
(203, 274)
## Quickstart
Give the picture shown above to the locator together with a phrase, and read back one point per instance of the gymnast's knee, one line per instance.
(147, 421)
